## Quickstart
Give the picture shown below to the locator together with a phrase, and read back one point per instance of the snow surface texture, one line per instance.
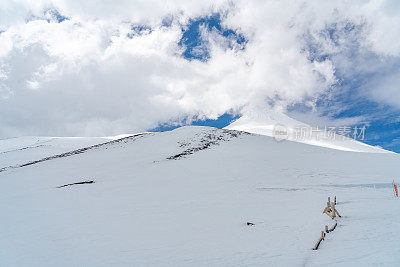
(182, 198)
(265, 125)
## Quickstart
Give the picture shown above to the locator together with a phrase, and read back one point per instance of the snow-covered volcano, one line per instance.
(184, 197)
(265, 124)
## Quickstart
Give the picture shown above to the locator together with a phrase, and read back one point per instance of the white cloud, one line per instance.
(386, 88)
(84, 76)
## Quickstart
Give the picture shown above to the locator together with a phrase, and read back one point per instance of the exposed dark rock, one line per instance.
(85, 182)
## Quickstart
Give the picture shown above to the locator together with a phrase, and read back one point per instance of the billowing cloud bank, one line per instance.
(108, 67)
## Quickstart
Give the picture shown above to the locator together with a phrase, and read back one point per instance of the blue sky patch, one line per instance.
(50, 15)
(195, 46)
(138, 30)
(55, 14)
(222, 121)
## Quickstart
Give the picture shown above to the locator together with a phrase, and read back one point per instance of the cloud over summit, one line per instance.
(73, 68)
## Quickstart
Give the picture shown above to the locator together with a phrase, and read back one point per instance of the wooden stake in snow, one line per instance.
(334, 211)
(330, 209)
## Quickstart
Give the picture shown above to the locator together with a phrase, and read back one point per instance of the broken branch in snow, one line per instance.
(333, 228)
(320, 240)
(84, 182)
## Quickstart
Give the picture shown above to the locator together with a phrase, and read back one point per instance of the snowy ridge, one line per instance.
(265, 125)
(70, 153)
(36, 147)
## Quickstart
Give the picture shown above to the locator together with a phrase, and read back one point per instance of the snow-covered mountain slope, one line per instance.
(15, 151)
(182, 198)
(265, 125)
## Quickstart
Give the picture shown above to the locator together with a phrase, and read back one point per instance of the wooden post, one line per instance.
(326, 229)
(335, 200)
(328, 209)
(338, 213)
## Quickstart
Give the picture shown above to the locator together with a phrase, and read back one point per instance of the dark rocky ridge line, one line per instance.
(76, 152)
(207, 139)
